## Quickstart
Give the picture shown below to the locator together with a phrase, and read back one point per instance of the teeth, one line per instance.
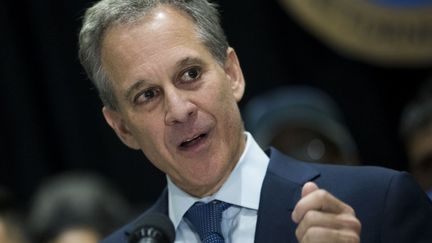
(187, 141)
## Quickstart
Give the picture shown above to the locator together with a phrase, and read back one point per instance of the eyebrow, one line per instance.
(181, 63)
(135, 86)
(188, 61)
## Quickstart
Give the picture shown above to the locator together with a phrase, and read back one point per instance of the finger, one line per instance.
(308, 188)
(327, 220)
(319, 200)
(319, 234)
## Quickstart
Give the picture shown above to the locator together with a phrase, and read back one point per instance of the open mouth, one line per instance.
(193, 141)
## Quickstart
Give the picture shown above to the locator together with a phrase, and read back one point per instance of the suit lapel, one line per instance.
(160, 206)
(280, 192)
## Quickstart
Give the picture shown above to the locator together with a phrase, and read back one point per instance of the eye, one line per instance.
(191, 74)
(146, 95)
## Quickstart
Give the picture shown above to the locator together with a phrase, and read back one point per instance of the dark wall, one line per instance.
(274, 50)
(51, 119)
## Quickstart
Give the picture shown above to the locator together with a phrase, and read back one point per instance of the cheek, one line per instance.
(148, 132)
(151, 141)
(221, 93)
(227, 103)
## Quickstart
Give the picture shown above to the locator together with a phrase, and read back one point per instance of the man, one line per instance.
(11, 225)
(416, 134)
(75, 207)
(170, 84)
(303, 122)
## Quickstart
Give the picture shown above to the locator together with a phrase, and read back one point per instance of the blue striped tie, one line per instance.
(206, 220)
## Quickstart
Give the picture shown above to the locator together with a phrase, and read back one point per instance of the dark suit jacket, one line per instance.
(389, 204)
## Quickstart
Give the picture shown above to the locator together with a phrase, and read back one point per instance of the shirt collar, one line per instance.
(242, 188)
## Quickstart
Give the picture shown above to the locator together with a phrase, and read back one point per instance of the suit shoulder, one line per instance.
(300, 171)
(119, 236)
(356, 182)
(370, 173)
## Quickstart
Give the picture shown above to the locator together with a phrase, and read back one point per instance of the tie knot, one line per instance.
(206, 219)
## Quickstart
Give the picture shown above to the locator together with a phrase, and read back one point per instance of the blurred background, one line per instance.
(370, 56)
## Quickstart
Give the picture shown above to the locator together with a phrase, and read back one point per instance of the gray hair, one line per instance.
(107, 13)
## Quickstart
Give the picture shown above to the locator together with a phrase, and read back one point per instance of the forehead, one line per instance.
(162, 24)
(162, 36)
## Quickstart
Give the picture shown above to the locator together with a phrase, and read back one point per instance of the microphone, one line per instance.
(153, 228)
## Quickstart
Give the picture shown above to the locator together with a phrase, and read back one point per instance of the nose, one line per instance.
(178, 107)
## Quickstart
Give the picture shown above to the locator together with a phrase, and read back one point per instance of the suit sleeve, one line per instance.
(407, 212)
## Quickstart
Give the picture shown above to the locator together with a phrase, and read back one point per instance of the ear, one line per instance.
(117, 123)
(234, 74)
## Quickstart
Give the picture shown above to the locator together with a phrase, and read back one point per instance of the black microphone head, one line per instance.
(155, 226)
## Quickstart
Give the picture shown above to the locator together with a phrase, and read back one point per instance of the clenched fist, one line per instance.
(321, 217)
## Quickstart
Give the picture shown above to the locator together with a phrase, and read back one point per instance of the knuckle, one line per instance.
(312, 234)
(311, 216)
(350, 222)
(319, 234)
(350, 210)
(357, 226)
(313, 231)
(297, 214)
(349, 237)
(298, 233)
(322, 194)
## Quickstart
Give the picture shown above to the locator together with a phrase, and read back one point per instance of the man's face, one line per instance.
(176, 102)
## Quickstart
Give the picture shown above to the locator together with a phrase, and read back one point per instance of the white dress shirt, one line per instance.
(242, 189)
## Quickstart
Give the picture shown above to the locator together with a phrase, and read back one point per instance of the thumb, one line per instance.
(308, 188)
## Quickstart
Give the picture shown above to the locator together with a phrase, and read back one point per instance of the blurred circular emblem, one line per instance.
(384, 32)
